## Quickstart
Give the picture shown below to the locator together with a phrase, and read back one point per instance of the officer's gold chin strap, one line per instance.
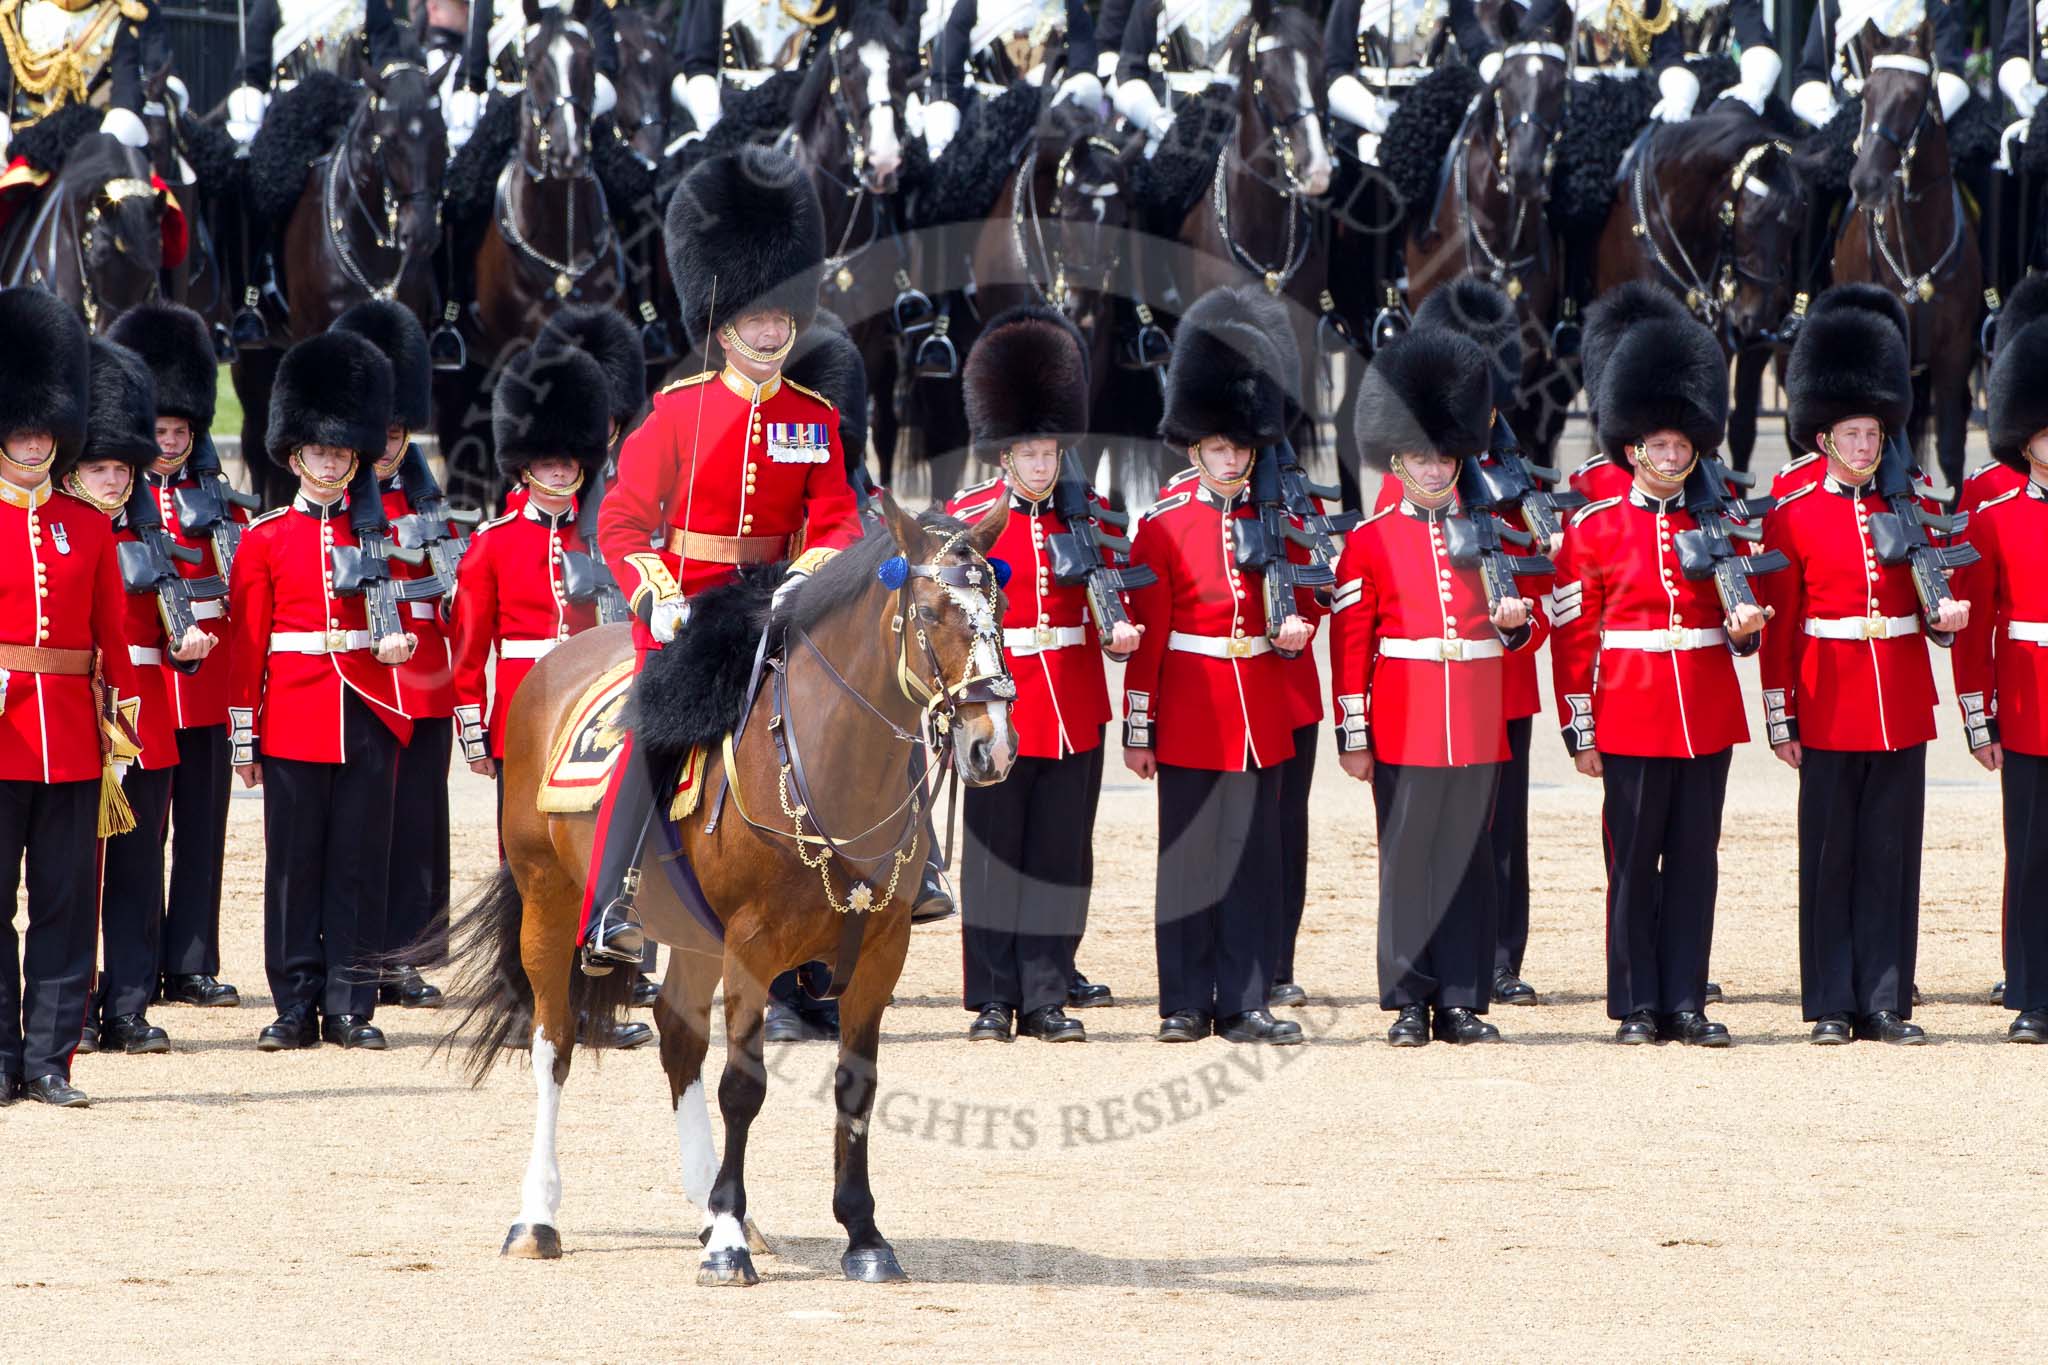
(1229, 488)
(75, 486)
(546, 489)
(1417, 493)
(1641, 452)
(729, 337)
(1017, 480)
(325, 486)
(167, 465)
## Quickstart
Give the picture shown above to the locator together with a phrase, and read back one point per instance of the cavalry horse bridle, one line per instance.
(1506, 271)
(112, 192)
(1913, 287)
(567, 271)
(384, 232)
(1706, 295)
(838, 262)
(1295, 194)
(1054, 288)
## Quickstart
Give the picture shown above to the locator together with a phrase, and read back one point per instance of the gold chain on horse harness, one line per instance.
(567, 272)
(1504, 273)
(1024, 191)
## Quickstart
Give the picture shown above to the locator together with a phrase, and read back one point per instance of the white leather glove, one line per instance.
(1680, 90)
(603, 96)
(1105, 67)
(459, 113)
(1082, 86)
(2016, 79)
(667, 617)
(941, 123)
(1489, 67)
(124, 127)
(1351, 101)
(786, 589)
(245, 112)
(180, 96)
(1814, 103)
(6, 136)
(1952, 90)
(1136, 102)
(699, 95)
(1760, 68)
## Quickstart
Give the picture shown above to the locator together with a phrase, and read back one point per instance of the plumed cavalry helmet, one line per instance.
(1427, 392)
(1665, 374)
(391, 327)
(745, 232)
(549, 403)
(1026, 377)
(333, 389)
(176, 345)
(2017, 402)
(1850, 360)
(45, 368)
(605, 336)
(1228, 376)
(120, 422)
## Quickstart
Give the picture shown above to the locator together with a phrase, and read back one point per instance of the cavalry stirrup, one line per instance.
(615, 938)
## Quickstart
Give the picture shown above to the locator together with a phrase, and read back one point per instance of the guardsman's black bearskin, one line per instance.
(1026, 377)
(176, 345)
(605, 336)
(1227, 377)
(392, 329)
(1610, 318)
(1849, 360)
(1870, 298)
(1485, 313)
(120, 424)
(45, 368)
(2028, 303)
(1428, 391)
(745, 232)
(333, 389)
(553, 402)
(1666, 374)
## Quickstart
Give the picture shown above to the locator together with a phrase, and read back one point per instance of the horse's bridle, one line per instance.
(111, 193)
(1024, 210)
(1706, 295)
(856, 136)
(1503, 125)
(537, 117)
(1914, 286)
(1278, 128)
(340, 172)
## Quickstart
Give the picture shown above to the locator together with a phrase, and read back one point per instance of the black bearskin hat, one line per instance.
(744, 232)
(45, 368)
(2029, 301)
(120, 424)
(1664, 375)
(333, 389)
(391, 327)
(827, 362)
(605, 336)
(1485, 313)
(1027, 376)
(1428, 391)
(1228, 377)
(1869, 298)
(547, 403)
(1849, 360)
(2016, 403)
(1254, 306)
(176, 345)
(1610, 317)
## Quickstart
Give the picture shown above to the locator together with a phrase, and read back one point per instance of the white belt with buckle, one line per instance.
(1664, 641)
(1218, 646)
(212, 609)
(1027, 640)
(1440, 651)
(318, 641)
(421, 611)
(1861, 627)
(2027, 632)
(526, 649)
(145, 654)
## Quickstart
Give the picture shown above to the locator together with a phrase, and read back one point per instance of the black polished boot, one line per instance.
(615, 938)
(934, 902)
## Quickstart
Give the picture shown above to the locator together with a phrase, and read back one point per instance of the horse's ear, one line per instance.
(903, 527)
(989, 529)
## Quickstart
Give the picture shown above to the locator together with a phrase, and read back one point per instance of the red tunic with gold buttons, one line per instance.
(149, 652)
(1398, 598)
(1054, 653)
(60, 589)
(723, 473)
(511, 602)
(1522, 695)
(2001, 657)
(286, 699)
(201, 696)
(1217, 697)
(1989, 480)
(1863, 683)
(1640, 656)
(426, 681)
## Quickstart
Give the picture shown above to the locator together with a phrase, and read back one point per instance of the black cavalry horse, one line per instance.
(93, 234)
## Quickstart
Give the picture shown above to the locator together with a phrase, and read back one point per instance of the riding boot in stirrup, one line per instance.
(615, 937)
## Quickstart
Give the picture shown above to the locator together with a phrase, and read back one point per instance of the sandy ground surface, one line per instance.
(1553, 1196)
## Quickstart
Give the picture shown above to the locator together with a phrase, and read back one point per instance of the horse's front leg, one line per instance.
(740, 1094)
(1749, 384)
(869, 1257)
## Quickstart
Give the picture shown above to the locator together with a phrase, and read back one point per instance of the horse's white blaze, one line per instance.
(726, 1234)
(999, 716)
(693, 1137)
(541, 1196)
(884, 151)
(1318, 155)
(562, 52)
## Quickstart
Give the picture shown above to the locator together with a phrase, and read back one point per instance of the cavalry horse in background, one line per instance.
(639, 123)
(846, 123)
(93, 234)
(1908, 233)
(1490, 217)
(1713, 209)
(894, 641)
(196, 281)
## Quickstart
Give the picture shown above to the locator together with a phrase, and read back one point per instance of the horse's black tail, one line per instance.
(490, 981)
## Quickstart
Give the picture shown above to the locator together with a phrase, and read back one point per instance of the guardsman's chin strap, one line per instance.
(75, 486)
(539, 485)
(1417, 494)
(1025, 490)
(1229, 488)
(729, 337)
(1642, 458)
(326, 487)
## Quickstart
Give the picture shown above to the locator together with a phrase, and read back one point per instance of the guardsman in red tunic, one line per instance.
(2001, 657)
(314, 703)
(551, 429)
(62, 639)
(1848, 693)
(416, 905)
(120, 441)
(1206, 706)
(1610, 318)
(730, 468)
(1416, 674)
(1026, 865)
(178, 348)
(1643, 661)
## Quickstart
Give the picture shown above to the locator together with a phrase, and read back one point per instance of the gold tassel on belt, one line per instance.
(120, 719)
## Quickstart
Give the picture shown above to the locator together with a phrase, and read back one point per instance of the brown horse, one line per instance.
(1908, 233)
(896, 639)
(1490, 221)
(1713, 209)
(94, 234)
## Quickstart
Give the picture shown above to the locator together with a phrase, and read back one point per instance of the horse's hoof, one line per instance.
(532, 1242)
(730, 1267)
(756, 1243)
(875, 1265)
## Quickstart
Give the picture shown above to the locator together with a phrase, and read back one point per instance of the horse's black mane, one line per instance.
(1715, 136)
(847, 575)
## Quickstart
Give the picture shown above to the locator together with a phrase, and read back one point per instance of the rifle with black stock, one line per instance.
(585, 576)
(1300, 497)
(149, 564)
(1260, 545)
(1721, 521)
(1094, 549)
(1479, 538)
(1899, 536)
(1512, 483)
(206, 506)
(364, 569)
(432, 527)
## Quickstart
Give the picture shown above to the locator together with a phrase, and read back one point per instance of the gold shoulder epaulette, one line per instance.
(810, 393)
(686, 383)
(2007, 496)
(1168, 503)
(1590, 508)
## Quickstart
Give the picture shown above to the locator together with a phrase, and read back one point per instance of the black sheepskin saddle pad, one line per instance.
(693, 691)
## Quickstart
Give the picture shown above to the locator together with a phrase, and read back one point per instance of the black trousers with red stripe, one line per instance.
(1297, 775)
(201, 785)
(1510, 838)
(1436, 926)
(2025, 783)
(1661, 836)
(1860, 820)
(1023, 882)
(132, 898)
(1218, 890)
(418, 881)
(44, 988)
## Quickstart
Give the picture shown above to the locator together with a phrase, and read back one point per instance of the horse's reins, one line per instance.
(568, 270)
(1707, 299)
(1294, 251)
(1024, 207)
(340, 171)
(1505, 271)
(1917, 287)
(113, 192)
